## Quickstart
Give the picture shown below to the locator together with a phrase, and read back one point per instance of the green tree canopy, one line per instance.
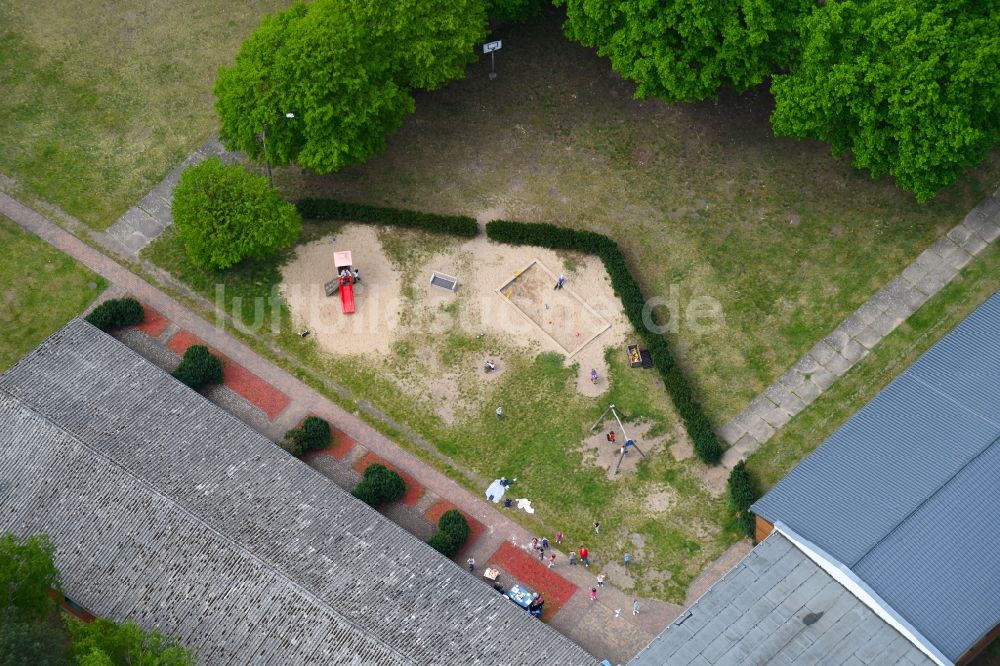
(34, 643)
(345, 69)
(224, 214)
(27, 573)
(104, 643)
(685, 50)
(912, 89)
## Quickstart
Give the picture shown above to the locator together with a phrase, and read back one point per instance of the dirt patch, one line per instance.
(714, 478)
(377, 297)
(683, 447)
(661, 498)
(598, 451)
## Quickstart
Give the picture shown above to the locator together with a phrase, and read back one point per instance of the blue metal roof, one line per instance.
(905, 493)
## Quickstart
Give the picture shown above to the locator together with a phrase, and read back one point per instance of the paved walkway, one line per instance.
(146, 220)
(850, 342)
(593, 625)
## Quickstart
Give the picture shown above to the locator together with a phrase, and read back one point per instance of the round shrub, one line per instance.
(199, 367)
(453, 524)
(443, 543)
(116, 313)
(380, 485)
(312, 435)
(741, 496)
(225, 214)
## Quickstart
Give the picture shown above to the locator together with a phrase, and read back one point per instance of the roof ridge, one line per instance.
(236, 545)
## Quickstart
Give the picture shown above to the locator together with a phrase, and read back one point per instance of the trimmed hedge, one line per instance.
(453, 532)
(199, 367)
(741, 495)
(706, 444)
(443, 543)
(330, 209)
(379, 485)
(312, 435)
(116, 313)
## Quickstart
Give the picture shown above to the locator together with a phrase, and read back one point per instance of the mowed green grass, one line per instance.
(704, 200)
(101, 99)
(976, 282)
(40, 290)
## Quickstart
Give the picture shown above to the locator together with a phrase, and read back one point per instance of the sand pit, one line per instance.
(598, 451)
(393, 307)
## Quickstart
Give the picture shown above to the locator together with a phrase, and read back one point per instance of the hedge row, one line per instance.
(379, 485)
(330, 209)
(741, 495)
(706, 444)
(312, 435)
(116, 313)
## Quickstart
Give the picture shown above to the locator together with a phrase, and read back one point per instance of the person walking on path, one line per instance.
(472, 564)
(593, 594)
(628, 559)
(572, 558)
(583, 556)
(600, 580)
(559, 537)
(552, 560)
(541, 554)
(560, 282)
(545, 543)
(635, 607)
(597, 527)
(357, 275)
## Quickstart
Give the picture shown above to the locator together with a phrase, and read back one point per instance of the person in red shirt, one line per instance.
(583, 556)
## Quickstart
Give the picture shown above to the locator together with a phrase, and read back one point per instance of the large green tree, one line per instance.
(685, 50)
(27, 573)
(911, 89)
(224, 214)
(345, 69)
(105, 643)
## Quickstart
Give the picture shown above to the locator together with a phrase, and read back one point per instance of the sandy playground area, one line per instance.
(395, 302)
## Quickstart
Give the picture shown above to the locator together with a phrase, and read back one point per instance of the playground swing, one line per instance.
(629, 442)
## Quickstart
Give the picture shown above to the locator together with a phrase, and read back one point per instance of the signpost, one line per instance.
(491, 48)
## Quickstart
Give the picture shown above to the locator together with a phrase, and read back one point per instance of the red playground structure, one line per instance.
(342, 261)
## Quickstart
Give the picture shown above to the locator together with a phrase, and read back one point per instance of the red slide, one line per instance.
(346, 296)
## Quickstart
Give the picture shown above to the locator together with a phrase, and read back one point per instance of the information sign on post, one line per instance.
(491, 48)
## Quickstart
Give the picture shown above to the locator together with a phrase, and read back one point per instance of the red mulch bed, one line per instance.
(153, 323)
(255, 390)
(414, 491)
(181, 340)
(270, 400)
(517, 564)
(438, 509)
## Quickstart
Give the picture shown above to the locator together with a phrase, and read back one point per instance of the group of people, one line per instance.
(347, 274)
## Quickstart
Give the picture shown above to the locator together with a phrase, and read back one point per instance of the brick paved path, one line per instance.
(592, 625)
(837, 353)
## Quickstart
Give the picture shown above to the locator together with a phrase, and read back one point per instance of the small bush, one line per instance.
(199, 367)
(116, 313)
(706, 444)
(330, 209)
(453, 524)
(444, 544)
(741, 495)
(380, 485)
(312, 435)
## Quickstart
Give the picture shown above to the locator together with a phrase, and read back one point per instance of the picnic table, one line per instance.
(521, 595)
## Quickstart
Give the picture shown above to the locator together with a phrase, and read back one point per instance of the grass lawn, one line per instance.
(702, 197)
(41, 289)
(102, 99)
(662, 514)
(892, 355)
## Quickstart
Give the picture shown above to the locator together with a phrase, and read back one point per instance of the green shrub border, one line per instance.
(699, 428)
(706, 444)
(116, 313)
(331, 209)
(453, 532)
(742, 494)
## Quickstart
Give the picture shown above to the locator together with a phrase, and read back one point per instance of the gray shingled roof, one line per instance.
(756, 615)
(905, 494)
(166, 510)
